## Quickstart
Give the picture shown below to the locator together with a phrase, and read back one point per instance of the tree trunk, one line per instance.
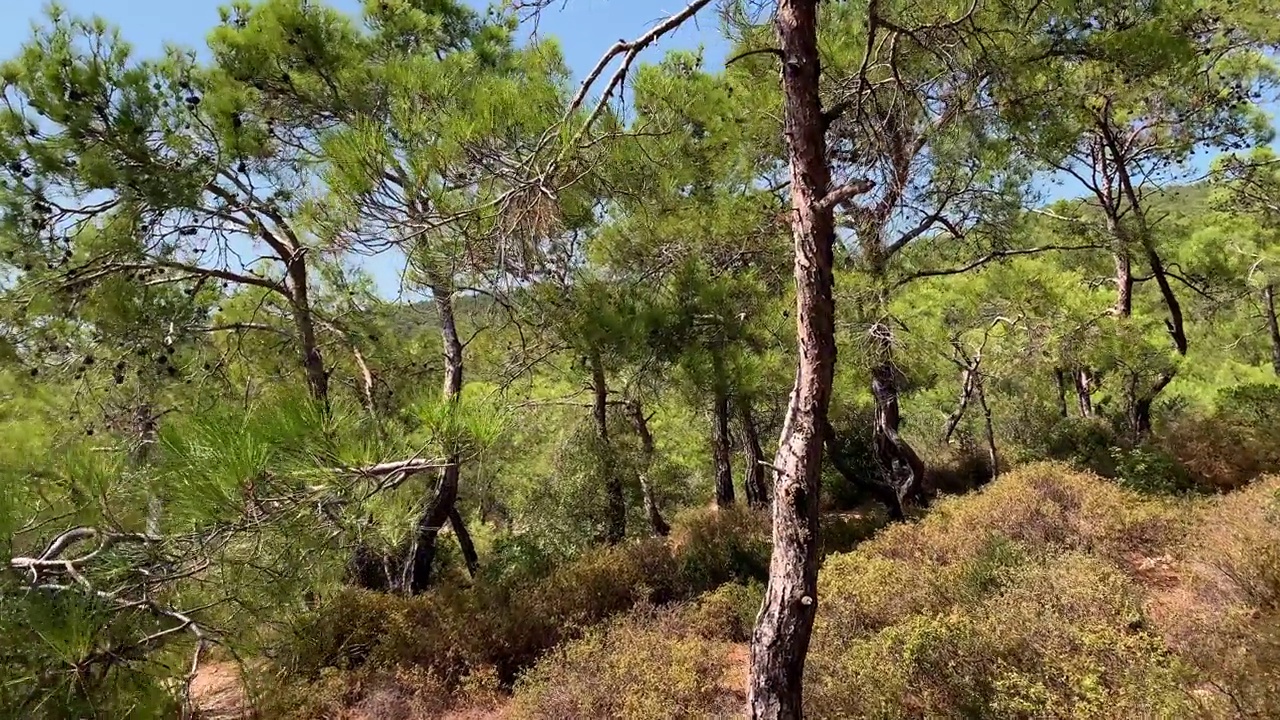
(901, 465)
(881, 491)
(1140, 410)
(756, 487)
(991, 434)
(616, 510)
(312, 360)
(1084, 392)
(464, 541)
(1061, 377)
(1124, 281)
(657, 524)
(145, 436)
(784, 625)
(720, 449)
(966, 391)
(441, 504)
(1269, 308)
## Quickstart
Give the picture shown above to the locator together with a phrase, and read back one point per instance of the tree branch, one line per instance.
(989, 258)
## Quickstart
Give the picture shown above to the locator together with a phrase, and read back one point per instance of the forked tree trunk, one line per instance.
(780, 641)
(441, 503)
(657, 523)
(616, 507)
(755, 485)
(721, 452)
(1273, 327)
(1140, 410)
(898, 460)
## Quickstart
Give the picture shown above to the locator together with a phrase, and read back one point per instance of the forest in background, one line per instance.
(968, 304)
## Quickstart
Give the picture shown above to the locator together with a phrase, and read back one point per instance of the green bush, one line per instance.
(637, 667)
(726, 613)
(1011, 602)
(1149, 469)
(1050, 641)
(714, 546)
(1086, 443)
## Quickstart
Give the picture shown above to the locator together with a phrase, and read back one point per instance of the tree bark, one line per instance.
(1060, 376)
(616, 508)
(721, 452)
(1269, 308)
(901, 465)
(755, 486)
(1084, 392)
(784, 625)
(657, 523)
(441, 504)
(299, 298)
(981, 389)
(966, 392)
(464, 541)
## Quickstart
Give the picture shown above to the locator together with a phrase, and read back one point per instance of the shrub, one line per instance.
(503, 625)
(726, 613)
(1235, 443)
(960, 470)
(714, 546)
(1020, 640)
(1223, 614)
(852, 451)
(1150, 469)
(1084, 442)
(640, 666)
(1045, 506)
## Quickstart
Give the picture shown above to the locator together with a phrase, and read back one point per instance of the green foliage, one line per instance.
(204, 378)
(1033, 617)
(636, 667)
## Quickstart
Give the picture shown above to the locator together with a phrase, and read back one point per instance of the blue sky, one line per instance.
(584, 28)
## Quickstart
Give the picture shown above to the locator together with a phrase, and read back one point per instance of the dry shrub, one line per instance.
(1236, 443)
(1224, 614)
(503, 627)
(1045, 506)
(1011, 602)
(639, 666)
(1058, 640)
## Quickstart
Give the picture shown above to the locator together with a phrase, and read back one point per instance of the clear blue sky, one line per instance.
(585, 28)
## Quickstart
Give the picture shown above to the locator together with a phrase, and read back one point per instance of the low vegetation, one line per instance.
(872, 358)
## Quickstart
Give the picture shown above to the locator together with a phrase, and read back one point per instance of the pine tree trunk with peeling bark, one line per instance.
(784, 626)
